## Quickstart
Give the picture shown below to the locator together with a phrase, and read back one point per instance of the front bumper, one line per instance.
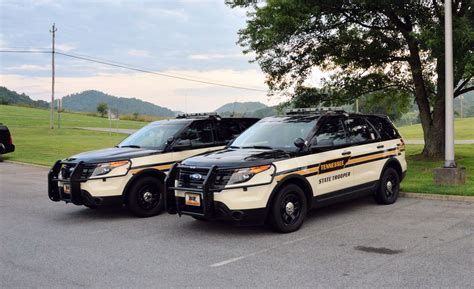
(92, 195)
(245, 205)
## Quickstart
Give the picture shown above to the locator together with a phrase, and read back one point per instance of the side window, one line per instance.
(227, 130)
(199, 133)
(359, 131)
(330, 133)
(384, 128)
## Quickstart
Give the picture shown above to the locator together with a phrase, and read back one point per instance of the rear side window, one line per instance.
(228, 129)
(359, 130)
(384, 127)
(199, 133)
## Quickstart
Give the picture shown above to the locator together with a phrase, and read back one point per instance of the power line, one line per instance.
(24, 51)
(158, 73)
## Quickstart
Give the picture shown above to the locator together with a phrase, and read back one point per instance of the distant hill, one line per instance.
(240, 108)
(87, 101)
(12, 97)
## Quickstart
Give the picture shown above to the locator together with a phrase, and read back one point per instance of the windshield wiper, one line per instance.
(259, 147)
(234, 147)
(130, 146)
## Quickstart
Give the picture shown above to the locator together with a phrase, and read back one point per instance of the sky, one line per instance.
(185, 38)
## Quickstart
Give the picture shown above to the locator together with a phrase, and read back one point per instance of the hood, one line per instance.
(236, 158)
(111, 154)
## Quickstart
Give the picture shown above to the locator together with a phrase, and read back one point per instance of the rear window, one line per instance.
(384, 127)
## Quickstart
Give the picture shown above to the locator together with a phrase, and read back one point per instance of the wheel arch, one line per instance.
(298, 180)
(144, 173)
(395, 164)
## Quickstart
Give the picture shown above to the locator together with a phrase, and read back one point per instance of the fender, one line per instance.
(308, 190)
(150, 172)
(395, 163)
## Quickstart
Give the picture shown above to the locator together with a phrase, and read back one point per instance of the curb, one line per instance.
(25, 164)
(453, 198)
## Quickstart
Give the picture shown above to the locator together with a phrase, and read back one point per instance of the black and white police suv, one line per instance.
(283, 166)
(133, 171)
(6, 143)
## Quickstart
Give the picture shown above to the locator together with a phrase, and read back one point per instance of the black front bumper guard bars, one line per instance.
(56, 193)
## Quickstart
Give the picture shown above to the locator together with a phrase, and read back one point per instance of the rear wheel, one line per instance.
(145, 198)
(288, 209)
(389, 187)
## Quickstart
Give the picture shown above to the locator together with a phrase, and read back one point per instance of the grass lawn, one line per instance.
(419, 177)
(463, 129)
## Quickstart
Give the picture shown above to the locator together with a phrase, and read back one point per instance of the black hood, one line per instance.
(236, 158)
(111, 154)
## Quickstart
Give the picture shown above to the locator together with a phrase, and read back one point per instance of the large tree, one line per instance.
(366, 46)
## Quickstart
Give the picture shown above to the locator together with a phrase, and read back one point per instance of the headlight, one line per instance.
(119, 168)
(243, 175)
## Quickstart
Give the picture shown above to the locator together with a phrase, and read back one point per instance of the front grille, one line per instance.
(185, 180)
(67, 169)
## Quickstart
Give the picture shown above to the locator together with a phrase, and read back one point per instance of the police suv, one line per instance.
(133, 171)
(283, 166)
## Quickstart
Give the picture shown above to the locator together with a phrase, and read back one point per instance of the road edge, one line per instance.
(25, 164)
(455, 198)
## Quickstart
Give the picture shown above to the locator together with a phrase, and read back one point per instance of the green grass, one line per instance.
(36, 143)
(463, 129)
(419, 177)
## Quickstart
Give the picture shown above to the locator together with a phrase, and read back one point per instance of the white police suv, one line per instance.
(283, 166)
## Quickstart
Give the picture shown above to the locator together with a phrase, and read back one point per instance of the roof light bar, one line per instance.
(199, 114)
(313, 110)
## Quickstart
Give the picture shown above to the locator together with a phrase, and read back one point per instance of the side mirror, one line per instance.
(183, 144)
(170, 140)
(299, 143)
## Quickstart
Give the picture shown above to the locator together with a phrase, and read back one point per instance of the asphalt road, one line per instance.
(413, 243)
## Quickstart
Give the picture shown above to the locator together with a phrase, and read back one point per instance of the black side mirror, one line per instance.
(170, 140)
(183, 144)
(299, 143)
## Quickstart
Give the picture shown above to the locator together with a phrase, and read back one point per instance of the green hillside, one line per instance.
(240, 108)
(36, 143)
(87, 102)
(463, 129)
(13, 98)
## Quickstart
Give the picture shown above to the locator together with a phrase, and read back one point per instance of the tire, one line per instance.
(145, 197)
(288, 209)
(389, 187)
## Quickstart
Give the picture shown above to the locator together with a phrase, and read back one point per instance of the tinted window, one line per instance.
(276, 133)
(331, 130)
(228, 129)
(384, 127)
(358, 130)
(199, 133)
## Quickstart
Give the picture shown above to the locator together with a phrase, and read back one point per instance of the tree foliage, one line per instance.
(102, 108)
(366, 46)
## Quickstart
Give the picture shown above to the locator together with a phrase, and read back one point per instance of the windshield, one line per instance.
(152, 136)
(275, 133)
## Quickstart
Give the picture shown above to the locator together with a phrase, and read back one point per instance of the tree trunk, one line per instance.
(434, 136)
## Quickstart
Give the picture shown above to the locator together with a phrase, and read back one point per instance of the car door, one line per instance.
(330, 144)
(365, 150)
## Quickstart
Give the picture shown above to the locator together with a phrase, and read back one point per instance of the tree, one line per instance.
(102, 108)
(365, 46)
(135, 115)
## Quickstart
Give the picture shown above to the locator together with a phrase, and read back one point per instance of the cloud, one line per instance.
(172, 93)
(30, 67)
(210, 56)
(138, 53)
(65, 47)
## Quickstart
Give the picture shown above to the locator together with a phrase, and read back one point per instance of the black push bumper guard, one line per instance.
(208, 208)
(75, 196)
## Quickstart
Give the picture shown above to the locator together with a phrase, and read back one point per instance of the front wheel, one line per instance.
(389, 187)
(145, 198)
(288, 209)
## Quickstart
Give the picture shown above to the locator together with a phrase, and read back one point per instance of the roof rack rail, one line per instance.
(310, 110)
(198, 115)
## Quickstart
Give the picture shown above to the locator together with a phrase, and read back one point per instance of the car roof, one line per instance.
(189, 120)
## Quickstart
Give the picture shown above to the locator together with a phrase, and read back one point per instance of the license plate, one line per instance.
(67, 188)
(192, 199)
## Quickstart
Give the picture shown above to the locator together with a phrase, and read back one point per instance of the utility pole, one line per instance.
(449, 173)
(53, 31)
(461, 99)
(357, 105)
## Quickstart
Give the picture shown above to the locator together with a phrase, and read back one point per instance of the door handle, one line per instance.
(380, 146)
(346, 153)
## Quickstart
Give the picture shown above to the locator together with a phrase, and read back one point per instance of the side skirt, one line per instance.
(344, 194)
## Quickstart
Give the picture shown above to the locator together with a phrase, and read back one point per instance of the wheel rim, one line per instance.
(290, 209)
(148, 197)
(391, 186)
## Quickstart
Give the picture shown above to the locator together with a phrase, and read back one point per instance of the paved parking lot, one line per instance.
(413, 243)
